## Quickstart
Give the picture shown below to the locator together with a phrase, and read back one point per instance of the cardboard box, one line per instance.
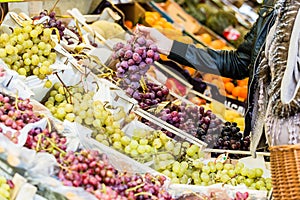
(132, 11)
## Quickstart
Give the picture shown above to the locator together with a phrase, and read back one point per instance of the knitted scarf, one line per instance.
(269, 81)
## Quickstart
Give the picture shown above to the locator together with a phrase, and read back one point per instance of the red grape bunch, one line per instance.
(16, 113)
(91, 170)
(46, 141)
(135, 58)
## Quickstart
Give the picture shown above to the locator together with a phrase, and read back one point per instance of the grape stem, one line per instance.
(136, 187)
(55, 146)
(65, 88)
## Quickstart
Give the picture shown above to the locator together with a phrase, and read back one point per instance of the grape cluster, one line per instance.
(231, 138)
(5, 188)
(15, 114)
(135, 58)
(191, 119)
(46, 141)
(76, 105)
(153, 95)
(28, 50)
(53, 22)
(90, 170)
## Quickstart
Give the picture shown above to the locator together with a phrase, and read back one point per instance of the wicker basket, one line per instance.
(285, 170)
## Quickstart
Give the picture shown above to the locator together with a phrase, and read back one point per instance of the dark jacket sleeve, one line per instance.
(232, 64)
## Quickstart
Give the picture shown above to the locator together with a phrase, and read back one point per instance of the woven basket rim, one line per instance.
(285, 147)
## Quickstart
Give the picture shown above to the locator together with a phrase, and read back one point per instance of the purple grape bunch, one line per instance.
(194, 120)
(53, 22)
(135, 58)
(153, 95)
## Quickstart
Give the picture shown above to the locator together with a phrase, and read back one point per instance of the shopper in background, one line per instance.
(269, 57)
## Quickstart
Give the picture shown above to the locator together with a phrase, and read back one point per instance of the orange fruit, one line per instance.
(129, 24)
(163, 57)
(205, 38)
(168, 25)
(156, 15)
(225, 79)
(217, 44)
(236, 91)
(229, 86)
(190, 70)
(150, 20)
(243, 82)
(243, 93)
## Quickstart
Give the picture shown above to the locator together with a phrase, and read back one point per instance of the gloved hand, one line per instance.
(163, 43)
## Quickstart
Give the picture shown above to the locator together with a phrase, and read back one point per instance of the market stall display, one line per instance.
(117, 125)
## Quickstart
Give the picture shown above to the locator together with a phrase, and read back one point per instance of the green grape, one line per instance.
(22, 71)
(133, 144)
(225, 178)
(258, 172)
(204, 177)
(213, 168)
(240, 179)
(27, 29)
(184, 179)
(41, 45)
(268, 185)
(134, 153)
(176, 167)
(125, 140)
(35, 60)
(117, 145)
(143, 141)
(43, 70)
(244, 171)
(69, 108)
(191, 151)
(219, 166)
(228, 166)
(88, 120)
(97, 123)
(59, 97)
(47, 32)
(78, 120)
(61, 113)
(27, 61)
(157, 143)
(2, 53)
(169, 146)
(251, 173)
(127, 149)
(198, 164)
(259, 185)
(34, 33)
(70, 117)
(231, 173)
(195, 175)
(9, 49)
(248, 182)
(206, 169)
(141, 149)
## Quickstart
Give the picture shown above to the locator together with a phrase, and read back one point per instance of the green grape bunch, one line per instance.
(29, 50)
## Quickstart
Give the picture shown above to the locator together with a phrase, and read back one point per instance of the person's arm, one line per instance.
(232, 64)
